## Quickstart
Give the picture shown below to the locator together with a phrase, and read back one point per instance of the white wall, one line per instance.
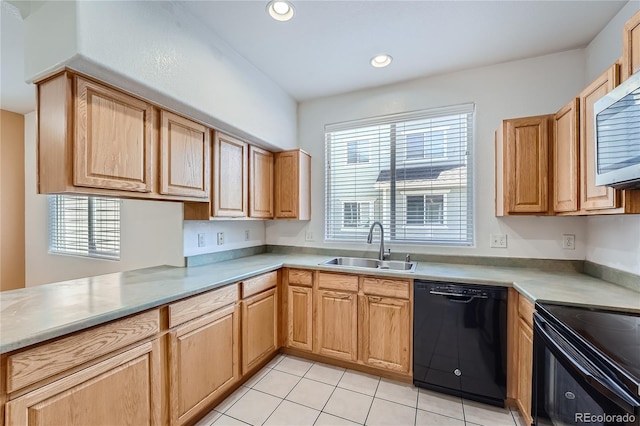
(529, 87)
(234, 235)
(606, 48)
(612, 240)
(158, 51)
(151, 232)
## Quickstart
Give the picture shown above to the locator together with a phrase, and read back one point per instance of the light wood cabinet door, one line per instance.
(337, 324)
(526, 165)
(184, 157)
(566, 176)
(260, 183)
(292, 185)
(124, 389)
(113, 146)
(594, 197)
(259, 328)
(203, 361)
(385, 332)
(230, 173)
(525, 369)
(631, 47)
(300, 317)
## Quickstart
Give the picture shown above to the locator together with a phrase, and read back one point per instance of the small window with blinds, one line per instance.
(84, 226)
(412, 172)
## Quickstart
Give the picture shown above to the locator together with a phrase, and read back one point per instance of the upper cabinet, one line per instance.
(522, 166)
(260, 183)
(230, 176)
(184, 150)
(532, 151)
(594, 197)
(113, 139)
(566, 161)
(292, 187)
(631, 47)
(96, 140)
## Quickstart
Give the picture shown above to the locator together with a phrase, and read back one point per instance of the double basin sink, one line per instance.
(358, 262)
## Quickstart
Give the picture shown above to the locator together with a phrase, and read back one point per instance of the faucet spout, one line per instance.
(370, 238)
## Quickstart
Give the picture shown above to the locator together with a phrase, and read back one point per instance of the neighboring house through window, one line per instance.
(84, 226)
(425, 210)
(414, 171)
(356, 214)
(357, 152)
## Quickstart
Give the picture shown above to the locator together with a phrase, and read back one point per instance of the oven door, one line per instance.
(571, 390)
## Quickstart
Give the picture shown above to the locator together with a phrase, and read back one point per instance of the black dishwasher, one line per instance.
(460, 340)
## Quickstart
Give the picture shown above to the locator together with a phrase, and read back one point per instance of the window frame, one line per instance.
(451, 175)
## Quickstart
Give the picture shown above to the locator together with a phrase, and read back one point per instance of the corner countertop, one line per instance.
(35, 314)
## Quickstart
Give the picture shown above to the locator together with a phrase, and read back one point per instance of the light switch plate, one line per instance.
(220, 238)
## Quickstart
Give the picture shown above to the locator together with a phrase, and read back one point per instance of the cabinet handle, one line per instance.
(375, 298)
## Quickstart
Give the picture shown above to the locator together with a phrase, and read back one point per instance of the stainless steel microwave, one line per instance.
(617, 131)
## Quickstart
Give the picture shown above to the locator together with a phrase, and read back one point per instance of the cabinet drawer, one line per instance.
(338, 282)
(258, 284)
(186, 310)
(386, 287)
(38, 363)
(526, 310)
(300, 277)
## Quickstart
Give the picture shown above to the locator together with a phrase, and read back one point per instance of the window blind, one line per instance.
(412, 172)
(84, 226)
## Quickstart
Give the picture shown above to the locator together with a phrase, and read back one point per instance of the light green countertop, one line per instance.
(35, 314)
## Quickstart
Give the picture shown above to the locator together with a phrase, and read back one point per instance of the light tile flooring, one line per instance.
(294, 391)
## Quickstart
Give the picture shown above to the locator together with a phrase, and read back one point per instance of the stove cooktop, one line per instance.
(614, 334)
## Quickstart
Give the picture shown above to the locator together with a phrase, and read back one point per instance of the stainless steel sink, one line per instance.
(358, 262)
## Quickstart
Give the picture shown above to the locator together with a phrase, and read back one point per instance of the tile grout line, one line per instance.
(284, 398)
(372, 400)
(327, 401)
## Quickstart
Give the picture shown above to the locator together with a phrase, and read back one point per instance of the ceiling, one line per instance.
(325, 49)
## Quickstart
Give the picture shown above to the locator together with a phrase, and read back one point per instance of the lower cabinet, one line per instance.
(203, 360)
(124, 389)
(300, 317)
(520, 353)
(525, 369)
(337, 324)
(259, 328)
(385, 325)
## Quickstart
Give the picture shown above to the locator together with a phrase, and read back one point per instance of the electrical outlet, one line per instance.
(569, 242)
(220, 238)
(498, 240)
(201, 240)
(246, 235)
(308, 236)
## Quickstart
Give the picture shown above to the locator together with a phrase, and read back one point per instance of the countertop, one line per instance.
(35, 314)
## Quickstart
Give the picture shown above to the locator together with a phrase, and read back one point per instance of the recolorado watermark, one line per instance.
(604, 418)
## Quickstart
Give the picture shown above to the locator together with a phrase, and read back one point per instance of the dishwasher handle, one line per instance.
(470, 297)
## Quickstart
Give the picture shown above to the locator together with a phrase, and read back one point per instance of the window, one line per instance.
(425, 210)
(429, 144)
(357, 152)
(417, 177)
(84, 226)
(356, 215)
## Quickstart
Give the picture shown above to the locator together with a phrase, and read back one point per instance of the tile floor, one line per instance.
(294, 391)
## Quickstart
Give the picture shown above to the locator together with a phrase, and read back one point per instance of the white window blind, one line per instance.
(84, 226)
(416, 179)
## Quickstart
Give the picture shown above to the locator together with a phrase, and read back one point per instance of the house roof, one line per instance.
(429, 172)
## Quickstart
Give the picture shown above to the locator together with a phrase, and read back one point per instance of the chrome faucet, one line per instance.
(382, 254)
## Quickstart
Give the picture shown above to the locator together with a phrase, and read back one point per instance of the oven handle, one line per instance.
(619, 399)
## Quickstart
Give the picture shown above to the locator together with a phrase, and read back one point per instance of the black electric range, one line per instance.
(601, 351)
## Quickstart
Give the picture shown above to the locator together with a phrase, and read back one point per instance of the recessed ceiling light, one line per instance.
(280, 10)
(380, 61)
